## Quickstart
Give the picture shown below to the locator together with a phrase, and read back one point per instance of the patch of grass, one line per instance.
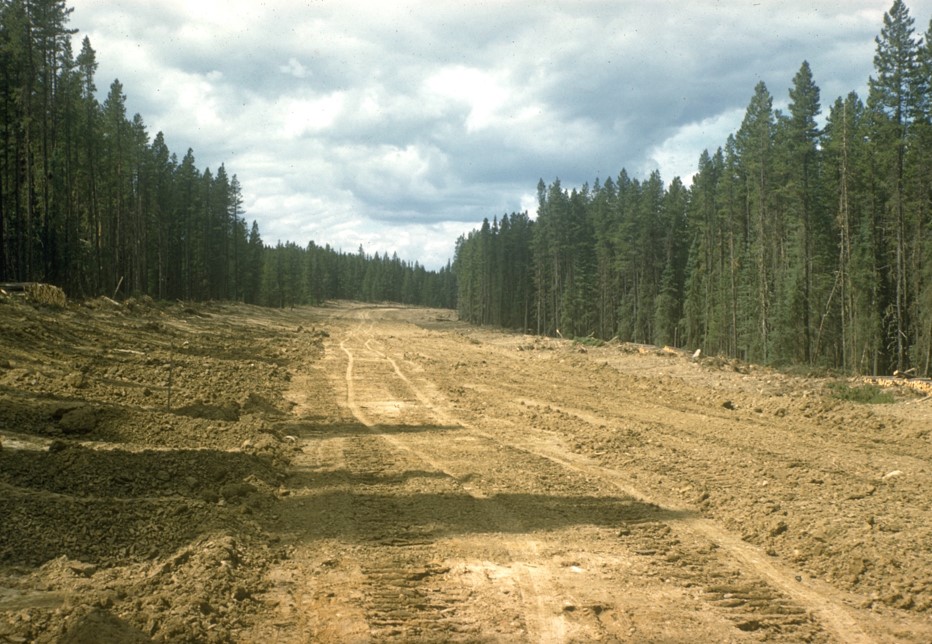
(864, 394)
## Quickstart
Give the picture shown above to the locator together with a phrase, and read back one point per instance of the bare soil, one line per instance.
(350, 473)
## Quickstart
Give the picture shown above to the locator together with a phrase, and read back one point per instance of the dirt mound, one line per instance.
(138, 469)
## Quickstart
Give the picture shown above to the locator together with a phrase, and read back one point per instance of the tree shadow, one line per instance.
(313, 478)
(362, 517)
(55, 415)
(78, 471)
(353, 504)
(316, 430)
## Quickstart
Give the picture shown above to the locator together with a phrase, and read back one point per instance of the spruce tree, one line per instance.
(893, 105)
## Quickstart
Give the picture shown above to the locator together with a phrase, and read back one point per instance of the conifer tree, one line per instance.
(763, 227)
(806, 267)
(893, 104)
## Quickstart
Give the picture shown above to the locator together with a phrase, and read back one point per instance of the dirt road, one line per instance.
(404, 477)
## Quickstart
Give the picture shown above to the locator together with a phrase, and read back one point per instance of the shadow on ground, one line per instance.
(358, 516)
(317, 430)
(109, 506)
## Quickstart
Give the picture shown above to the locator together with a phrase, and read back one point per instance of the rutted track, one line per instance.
(447, 497)
(369, 474)
(766, 597)
(405, 596)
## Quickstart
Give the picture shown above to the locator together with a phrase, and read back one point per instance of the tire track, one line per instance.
(407, 593)
(769, 597)
(781, 583)
(397, 597)
(543, 615)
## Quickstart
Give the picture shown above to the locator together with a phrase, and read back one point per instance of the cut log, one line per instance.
(15, 287)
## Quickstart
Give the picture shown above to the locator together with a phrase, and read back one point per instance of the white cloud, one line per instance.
(295, 68)
(481, 91)
(528, 204)
(302, 116)
(678, 155)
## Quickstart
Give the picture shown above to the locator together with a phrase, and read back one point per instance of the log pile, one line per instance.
(902, 379)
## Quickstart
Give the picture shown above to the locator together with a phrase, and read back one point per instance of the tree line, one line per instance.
(89, 203)
(794, 244)
(293, 275)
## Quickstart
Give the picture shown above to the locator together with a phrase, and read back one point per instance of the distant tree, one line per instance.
(920, 178)
(253, 266)
(792, 244)
(893, 104)
(804, 276)
(668, 303)
(763, 228)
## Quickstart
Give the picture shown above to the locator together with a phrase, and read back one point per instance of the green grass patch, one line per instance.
(864, 394)
(589, 341)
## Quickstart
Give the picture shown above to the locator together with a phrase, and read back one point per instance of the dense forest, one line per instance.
(796, 242)
(89, 203)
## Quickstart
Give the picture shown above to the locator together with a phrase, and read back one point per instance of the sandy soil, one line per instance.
(224, 473)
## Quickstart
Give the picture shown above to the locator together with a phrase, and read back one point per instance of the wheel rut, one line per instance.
(409, 594)
(450, 517)
(732, 577)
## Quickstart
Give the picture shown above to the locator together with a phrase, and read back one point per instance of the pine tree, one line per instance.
(238, 243)
(668, 303)
(893, 104)
(187, 204)
(115, 187)
(602, 215)
(163, 242)
(91, 251)
(806, 267)
(254, 260)
(754, 143)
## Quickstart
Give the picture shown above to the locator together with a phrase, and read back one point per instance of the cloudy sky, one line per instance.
(400, 125)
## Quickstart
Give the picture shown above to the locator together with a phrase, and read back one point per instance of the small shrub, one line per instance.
(865, 394)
